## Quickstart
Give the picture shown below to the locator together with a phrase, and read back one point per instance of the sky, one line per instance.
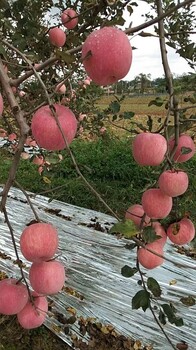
(147, 57)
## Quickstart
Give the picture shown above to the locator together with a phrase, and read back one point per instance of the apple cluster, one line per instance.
(57, 36)
(38, 244)
(150, 149)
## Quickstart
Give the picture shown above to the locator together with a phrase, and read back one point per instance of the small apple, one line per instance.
(173, 182)
(13, 296)
(69, 18)
(57, 37)
(33, 315)
(60, 88)
(46, 131)
(148, 259)
(156, 204)
(135, 213)
(185, 143)
(149, 149)
(47, 277)
(181, 232)
(39, 242)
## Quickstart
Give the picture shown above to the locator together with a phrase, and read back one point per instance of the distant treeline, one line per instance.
(143, 84)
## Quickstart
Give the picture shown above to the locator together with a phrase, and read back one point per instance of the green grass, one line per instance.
(109, 167)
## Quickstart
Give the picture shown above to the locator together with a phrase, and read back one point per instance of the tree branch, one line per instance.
(24, 129)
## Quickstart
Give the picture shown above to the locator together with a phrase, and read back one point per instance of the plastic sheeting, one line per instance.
(93, 260)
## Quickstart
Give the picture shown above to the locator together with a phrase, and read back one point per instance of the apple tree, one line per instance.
(55, 57)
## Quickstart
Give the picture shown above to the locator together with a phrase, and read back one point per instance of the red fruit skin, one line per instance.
(39, 242)
(149, 149)
(46, 131)
(173, 183)
(156, 204)
(110, 55)
(66, 18)
(33, 316)
(181, 232)
(47, 277)
(184, 141)
(135, 213)
(57, 37)
(13, 297)
(150, 260)
(1, 104)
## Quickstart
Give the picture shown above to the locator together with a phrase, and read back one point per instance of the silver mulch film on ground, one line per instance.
(95, 287)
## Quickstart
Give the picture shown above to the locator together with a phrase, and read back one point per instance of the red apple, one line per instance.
(107, 55)
(13, 296)
(135, 213)
(149, 148)
(33, 315)
(173, 182)
(47, 277)
(186, 142)
(1, 104)
(39, 242)
(148, 259)
(156, 204)
(67, 20)
(46, 131)
(57, 37)
(60, 88)
(181, 232)
(38, 160)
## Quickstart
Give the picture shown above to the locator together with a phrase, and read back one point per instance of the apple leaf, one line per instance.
(157, 102)
(125, 227)
(128, 271)
(149, 235)
(162, 317)
(144, 34)
(186, 150)
(114, 107)
(170, 313)
(141, 299)
(128, 115)
(154, 287)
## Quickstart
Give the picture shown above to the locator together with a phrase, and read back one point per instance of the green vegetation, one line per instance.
(108, 165)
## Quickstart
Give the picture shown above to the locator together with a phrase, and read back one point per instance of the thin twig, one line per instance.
(16, 251)
(28, 200)
(151, 308)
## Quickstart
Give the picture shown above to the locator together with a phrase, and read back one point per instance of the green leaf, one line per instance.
(154, 287)
(162, 317)
(64, 56)
(141, 299)
(188, 301)
(128, 115)
(114, 107)
(186, 150)
(128, 271)
(125, 227)
(179, 321)
(144, 34)
(170, 313)
(157, 102)
(149, 235)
